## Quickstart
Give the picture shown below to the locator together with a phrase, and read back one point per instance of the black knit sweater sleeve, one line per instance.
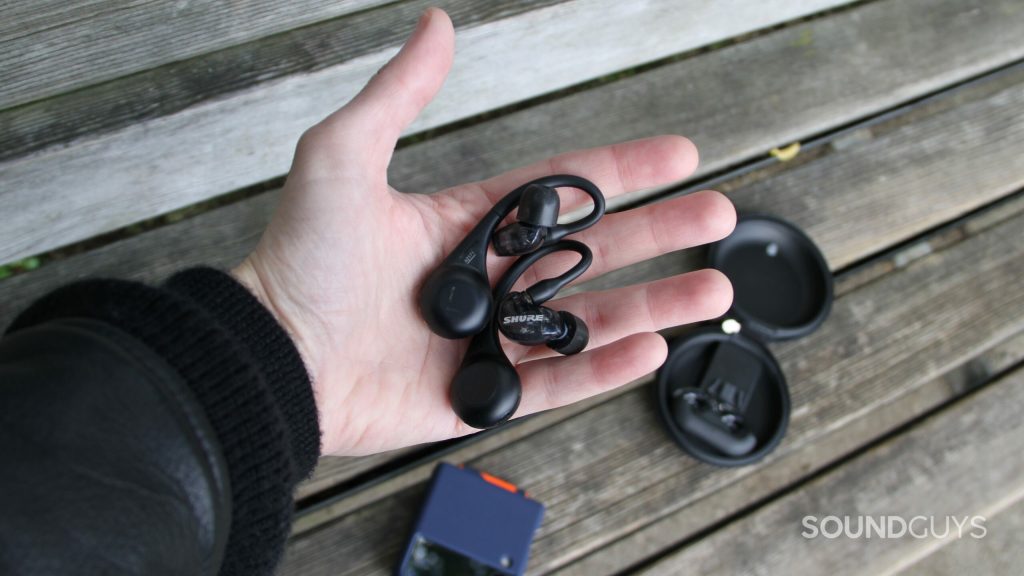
(240, 369)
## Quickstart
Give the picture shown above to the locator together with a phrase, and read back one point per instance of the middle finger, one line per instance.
(611, 315)
(642, 233)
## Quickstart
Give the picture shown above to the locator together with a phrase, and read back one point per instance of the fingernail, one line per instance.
(425, 17)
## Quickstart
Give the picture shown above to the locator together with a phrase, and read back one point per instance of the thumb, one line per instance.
(396, 95)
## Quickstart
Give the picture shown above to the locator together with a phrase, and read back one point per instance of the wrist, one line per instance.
(247, 274)
(268, 347)
(252, 276)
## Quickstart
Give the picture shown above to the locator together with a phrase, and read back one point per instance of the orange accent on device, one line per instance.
(499, 482)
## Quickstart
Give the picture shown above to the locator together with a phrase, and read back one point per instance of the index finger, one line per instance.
(615, 169)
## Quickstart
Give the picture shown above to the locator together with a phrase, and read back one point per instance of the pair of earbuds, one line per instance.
(713, 410)
(704, 415)
(457, 301)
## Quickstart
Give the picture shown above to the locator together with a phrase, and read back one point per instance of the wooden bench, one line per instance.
(130, 147)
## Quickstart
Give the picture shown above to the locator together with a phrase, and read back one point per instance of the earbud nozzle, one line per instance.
(576, 338)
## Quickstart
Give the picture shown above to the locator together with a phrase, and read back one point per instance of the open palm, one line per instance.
(344, 256)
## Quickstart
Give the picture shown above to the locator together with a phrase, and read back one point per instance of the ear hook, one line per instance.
(486, 390)
(536, 222)
(567, 180)
(546, 289)
(456, 300)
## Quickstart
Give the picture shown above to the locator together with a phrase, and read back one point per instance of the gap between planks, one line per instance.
(954, 463)
(862, 175)
(742, 100)
(596, 484)
(746, 128)
(51, 47)
(164, 90)
(780, 477)
(702, 123)
(229, 233)
(229, 143)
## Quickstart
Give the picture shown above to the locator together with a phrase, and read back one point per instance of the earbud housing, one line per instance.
(456, 302)
(486, 390)
(525, 322)
(455, 299)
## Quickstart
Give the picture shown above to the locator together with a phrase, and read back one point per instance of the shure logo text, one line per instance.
(522, 318)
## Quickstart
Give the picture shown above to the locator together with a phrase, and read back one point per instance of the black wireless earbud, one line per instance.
(456, 300)
(486, 390)
(523, 320)
(537, 215)
(708, 419)
(714, 410)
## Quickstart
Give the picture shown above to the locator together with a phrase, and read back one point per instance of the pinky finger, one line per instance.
(554, 382)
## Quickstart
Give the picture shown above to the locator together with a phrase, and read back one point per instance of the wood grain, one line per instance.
(689, 522)
(231, 142)
(854, 173)
(51, 46)
(170, 88)
(231, 235)
(930, 166)
(611, 470)
(953, 464)
(998, 553)
(893, 180)
(973, 372)
(331, 470)
(739, 103)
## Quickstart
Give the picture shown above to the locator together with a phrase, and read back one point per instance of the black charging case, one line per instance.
(782, 290)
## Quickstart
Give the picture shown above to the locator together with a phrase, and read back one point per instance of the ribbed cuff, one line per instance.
(243, 369)
(269, 346)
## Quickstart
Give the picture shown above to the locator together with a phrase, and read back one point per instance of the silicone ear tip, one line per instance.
(539, 206)
(576, 340)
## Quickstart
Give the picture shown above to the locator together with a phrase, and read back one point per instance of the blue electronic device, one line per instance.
(471, 524)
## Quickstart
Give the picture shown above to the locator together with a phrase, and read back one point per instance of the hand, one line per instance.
(342, 260)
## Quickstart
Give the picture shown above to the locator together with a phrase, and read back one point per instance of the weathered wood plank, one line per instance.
(50, 47)
(999, 552)
(956, 463)
(767, 92)
(332, 469)
(248, 137)
(975, 371)
(223, 236)
(694, 518)
(611, 470)
(173, 87)
(903, 176)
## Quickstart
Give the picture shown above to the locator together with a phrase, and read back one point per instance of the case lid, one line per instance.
(782, 286)
(721, 393)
